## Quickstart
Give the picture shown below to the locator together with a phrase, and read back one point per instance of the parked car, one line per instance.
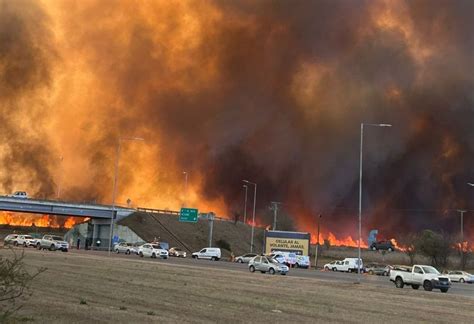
(382, 245)
(266, 264)
(421, 275)
(245, 258)
(19, 194)
(25, 240)
(9, 239)
(461, 276)
(52, 243)
(378, 269)
(124, 247)
(346, 265)
(209, 253)
(288, 258)
(302, 261)
(177, 252)
(331, 265)
(153, 251)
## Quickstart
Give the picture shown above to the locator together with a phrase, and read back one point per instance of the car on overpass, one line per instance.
(382, 246)
(19, 194)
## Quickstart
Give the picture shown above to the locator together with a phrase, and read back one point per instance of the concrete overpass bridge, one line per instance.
(100, 215)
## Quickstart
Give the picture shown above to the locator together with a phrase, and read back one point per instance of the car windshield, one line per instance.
(273, 261)
(176, 249)
(28, 236)
(156, 246)
(57, 238)
(430, 270)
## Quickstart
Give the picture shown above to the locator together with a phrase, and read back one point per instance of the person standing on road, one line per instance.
(78, 243)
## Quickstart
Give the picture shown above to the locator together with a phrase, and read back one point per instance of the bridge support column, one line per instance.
(95, 235)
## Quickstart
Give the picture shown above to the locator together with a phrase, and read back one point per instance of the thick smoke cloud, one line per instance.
(270, 91)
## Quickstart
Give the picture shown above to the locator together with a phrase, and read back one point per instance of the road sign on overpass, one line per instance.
(189, 215)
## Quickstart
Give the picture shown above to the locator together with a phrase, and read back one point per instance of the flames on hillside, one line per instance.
(50, 221)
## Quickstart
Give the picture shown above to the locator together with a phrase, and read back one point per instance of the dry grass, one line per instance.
(85, 289)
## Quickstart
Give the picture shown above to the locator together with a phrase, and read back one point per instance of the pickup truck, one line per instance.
(420, 275)
(52, 243)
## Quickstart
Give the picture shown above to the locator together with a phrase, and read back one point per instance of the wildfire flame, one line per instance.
(51, 221)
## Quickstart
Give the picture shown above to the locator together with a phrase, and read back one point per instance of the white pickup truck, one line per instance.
(420, 275)
(52, 243)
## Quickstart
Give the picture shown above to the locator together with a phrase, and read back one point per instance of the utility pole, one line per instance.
(274, 207)
(317, 245)
(462, 237)
(211, 225)
(245, 204)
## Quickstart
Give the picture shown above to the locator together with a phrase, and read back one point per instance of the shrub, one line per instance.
(327, 244)
(435, 246)
(15, 283)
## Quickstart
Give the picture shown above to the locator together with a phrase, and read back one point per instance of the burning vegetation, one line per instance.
(50, 221)
(270, 91)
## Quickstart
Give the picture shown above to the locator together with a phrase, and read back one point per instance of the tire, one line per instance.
(140, 254)
(390, 249)
(385, 273)
(213, 259)
(38, 246)
(240, 261)
(252, 268)
(461, 280)
(326, 268)
(117, 251)
(15, 243)
(427, 285)
(333, 269)
(415, 286)
(153, 256)
(371, 272)
(444, 290)
(193, 256)
(272, 271)
(52, 247)
(374, 248)
(399, 282)
(127, 252)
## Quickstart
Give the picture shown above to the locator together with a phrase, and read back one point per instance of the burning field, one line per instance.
(270, 91)
(28, 220)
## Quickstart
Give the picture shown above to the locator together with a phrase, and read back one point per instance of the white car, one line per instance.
(421, 275)
(19, 194)
(245, 258)
(9, 239)
(25, 240)
(153, 251)
(461, 276)
(209, 253)
(346, 265)
(124, 247)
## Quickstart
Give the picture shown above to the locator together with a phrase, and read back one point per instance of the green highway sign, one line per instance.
(188, 215)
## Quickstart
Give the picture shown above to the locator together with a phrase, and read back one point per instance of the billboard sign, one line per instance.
(297, 242)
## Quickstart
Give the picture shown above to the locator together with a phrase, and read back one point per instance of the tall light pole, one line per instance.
(253, 217)
(360, 189)
(245, 204)
(61, 158)
(114, 193)
(317, 245)
(185, 187)
(274, 207)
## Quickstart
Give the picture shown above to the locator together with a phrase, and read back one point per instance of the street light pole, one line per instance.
(274, 207)
(317, 245)
(462, 237)
(360, 192)
(114, 193)
(185, 187)
(245, 204)
(253, 217)
(61, 158)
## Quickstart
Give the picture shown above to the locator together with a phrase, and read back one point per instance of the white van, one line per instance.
(209, 253)
(351, 265)
(288, 258)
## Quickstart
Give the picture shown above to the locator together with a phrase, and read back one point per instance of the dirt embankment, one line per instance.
(194, 236)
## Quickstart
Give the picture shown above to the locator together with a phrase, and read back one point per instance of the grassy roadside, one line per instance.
(85, 288)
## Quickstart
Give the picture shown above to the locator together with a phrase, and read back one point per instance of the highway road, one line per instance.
(456, 289)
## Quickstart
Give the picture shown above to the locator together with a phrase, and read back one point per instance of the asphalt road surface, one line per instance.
(461, 289)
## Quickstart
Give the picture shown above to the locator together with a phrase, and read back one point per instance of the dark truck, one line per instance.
(382, 245)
